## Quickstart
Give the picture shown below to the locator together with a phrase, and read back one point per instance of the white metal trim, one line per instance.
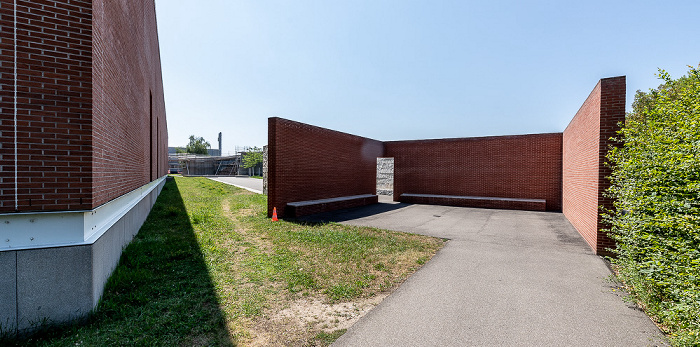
(72, 228)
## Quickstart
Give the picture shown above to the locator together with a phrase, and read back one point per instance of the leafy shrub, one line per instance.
(656, 219)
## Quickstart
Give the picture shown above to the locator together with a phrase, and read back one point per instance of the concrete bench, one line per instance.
(303, 208)
(476, 201)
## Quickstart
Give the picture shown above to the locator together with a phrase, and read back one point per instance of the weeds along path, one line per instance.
(283, 283)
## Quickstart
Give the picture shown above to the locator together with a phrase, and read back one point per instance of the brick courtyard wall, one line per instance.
(129, 127)
(567, 169)
(521, 166)
(586, 142)
(90, 123)
(53, 125)
(306, 162)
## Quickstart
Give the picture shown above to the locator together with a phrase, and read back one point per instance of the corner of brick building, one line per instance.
(612, 116)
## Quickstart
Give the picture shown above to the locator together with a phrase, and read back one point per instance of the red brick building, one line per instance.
(83, 149)
(312, 169)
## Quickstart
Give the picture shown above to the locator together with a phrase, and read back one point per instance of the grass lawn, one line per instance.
(208, 268)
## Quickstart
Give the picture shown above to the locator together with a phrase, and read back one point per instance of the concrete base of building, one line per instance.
(55, 285)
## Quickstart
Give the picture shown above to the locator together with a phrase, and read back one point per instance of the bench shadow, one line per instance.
(350, 213)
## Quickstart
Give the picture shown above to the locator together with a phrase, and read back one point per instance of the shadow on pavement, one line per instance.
(351, 213)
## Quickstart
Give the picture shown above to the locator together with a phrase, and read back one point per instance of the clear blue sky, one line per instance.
(395, 70)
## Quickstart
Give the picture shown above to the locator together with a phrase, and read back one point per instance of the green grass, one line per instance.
(208, 268)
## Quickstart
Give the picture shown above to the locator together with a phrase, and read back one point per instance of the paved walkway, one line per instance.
(505, 278)
(254, 185)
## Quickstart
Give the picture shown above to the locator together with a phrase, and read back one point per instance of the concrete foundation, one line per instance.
(60, 284)
(8, 291)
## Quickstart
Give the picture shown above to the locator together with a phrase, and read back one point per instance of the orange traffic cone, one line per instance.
(274, 214)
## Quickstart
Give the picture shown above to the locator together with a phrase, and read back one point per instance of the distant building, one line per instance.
(202, 165)
(212, 152)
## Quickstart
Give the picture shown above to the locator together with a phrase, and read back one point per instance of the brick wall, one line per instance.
(306, 162)
(566, 169)
(54, 90)
(585, 144)
(85, 73)
(129, 127)
(523, 166)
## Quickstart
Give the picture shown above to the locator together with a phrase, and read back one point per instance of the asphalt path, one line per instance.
(254, 185)
(504, 278)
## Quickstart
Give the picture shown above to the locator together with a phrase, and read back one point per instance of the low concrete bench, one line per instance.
(476, 201)
(303, 208)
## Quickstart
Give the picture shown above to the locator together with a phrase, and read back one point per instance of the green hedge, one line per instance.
(656, 220)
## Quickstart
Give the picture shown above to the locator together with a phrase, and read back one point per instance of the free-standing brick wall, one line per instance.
(90, 112)
(523, 166)
(306, 162)
(586, 142)
(566, 169)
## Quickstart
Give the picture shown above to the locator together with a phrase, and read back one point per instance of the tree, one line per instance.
(656, 188)
(197, 145)
(252, 157)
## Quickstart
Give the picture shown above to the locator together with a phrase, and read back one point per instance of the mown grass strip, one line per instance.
(209, 269)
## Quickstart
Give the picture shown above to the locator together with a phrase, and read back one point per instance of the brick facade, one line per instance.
(306, 162)
(54, 95)
(89, 91)
(586, 143)
(130, 142)
(523, 166)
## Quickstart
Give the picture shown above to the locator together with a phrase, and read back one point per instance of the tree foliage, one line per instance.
(252, 157)
(656, 216)
(197, 145)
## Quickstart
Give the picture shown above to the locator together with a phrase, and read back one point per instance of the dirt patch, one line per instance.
(243, 212)
(299, 321)
(320, 316)
(226, 207)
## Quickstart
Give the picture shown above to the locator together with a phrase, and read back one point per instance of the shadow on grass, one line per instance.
(159, 294)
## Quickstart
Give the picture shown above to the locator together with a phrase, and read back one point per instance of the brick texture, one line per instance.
(130, 140)
(523, 166)
(72, 126)
(586, 143)
(54, 91)
(306, 162)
